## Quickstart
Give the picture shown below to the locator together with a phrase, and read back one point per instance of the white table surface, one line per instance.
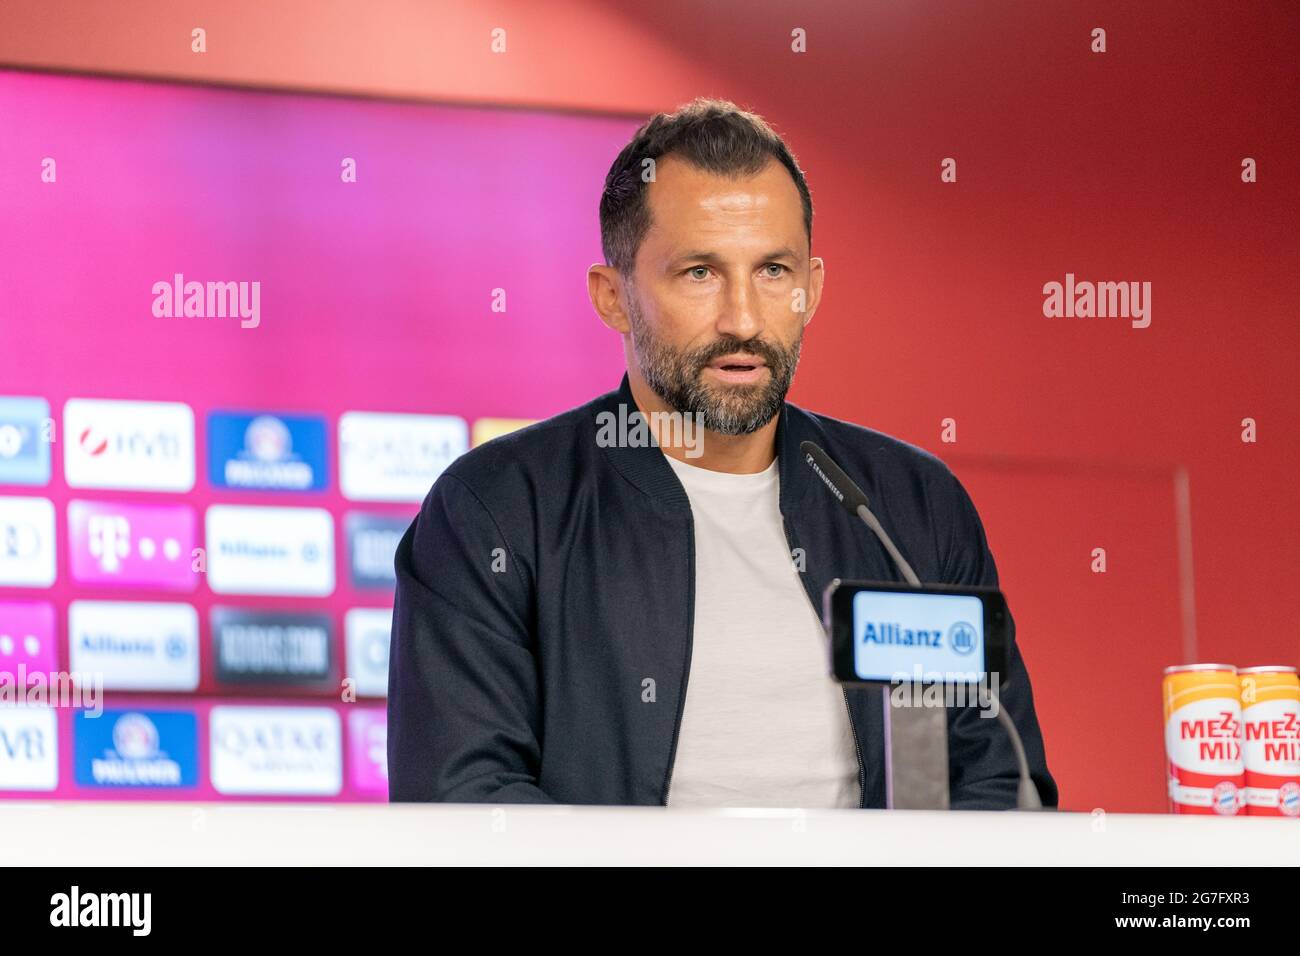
(103, 833)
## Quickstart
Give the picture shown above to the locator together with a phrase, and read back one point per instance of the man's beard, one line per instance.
(678, 379)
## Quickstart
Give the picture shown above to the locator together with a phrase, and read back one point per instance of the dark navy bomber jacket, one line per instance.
(548, 577)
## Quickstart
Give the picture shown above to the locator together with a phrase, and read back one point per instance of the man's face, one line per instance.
(721, 293)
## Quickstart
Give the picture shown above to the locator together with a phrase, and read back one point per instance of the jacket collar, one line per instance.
(645, 467)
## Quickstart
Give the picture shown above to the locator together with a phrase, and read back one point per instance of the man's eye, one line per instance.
(780, 270)
(698, 272)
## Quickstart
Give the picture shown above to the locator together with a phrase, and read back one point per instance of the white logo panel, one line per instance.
(136, 446)
(29, 749)
(255, 550)
(389, 457)
(368, 633)
(276, 751)
(134, 644)
(27, 542)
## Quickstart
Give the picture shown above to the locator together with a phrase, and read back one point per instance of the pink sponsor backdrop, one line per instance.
(375, 295)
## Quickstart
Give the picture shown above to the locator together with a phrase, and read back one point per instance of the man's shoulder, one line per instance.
(859, 449)
(917, 495)
(533, 453)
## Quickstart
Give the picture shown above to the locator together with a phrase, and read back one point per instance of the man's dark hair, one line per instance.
(713, 135)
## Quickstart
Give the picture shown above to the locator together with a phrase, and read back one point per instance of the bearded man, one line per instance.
(584, 617)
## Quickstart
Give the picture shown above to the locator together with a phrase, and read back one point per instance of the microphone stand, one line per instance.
(920, 782)
(916, 737)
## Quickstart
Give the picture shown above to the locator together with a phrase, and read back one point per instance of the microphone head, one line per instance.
(840, 485)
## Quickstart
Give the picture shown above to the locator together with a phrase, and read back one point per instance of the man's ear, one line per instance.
(816, 278)
(605, 289)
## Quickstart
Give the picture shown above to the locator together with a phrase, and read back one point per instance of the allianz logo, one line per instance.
(962, 636)
(172, 646)
(308, 551)
(888, 632)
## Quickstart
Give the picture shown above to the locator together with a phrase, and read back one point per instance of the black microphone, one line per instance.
(841, 485)
(854, 500)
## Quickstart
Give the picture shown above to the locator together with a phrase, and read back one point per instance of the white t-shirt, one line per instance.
(764, 725)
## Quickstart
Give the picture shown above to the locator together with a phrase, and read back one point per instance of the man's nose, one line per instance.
(740, 314)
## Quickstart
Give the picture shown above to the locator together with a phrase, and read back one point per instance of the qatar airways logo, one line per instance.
(208, 300)
(276, 751)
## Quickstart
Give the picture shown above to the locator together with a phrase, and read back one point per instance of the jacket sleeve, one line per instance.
(984, 774)
(464, 701)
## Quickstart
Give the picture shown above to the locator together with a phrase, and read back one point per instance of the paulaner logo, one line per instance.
(1099, 300)
(637, 430)
(133, 910)
(210, 300)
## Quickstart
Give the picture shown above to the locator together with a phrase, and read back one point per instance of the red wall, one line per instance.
(1115, 166)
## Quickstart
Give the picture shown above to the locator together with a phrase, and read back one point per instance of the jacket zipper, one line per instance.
(857, 747)
(690, 647)
(862, 768)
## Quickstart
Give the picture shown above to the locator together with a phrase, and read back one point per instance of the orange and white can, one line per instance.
(1203, 739)
(1270, 717)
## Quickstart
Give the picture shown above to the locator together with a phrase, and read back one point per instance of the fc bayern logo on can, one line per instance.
(1224, 798)
(1288, 798)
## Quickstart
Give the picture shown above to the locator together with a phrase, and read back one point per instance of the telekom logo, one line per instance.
(30, 643)
(122, 543)
(109, 540)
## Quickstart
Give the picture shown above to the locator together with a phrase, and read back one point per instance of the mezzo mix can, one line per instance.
(1202, 704)
(1270, 712)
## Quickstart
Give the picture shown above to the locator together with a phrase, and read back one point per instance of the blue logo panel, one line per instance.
(24, 445)
(136, 748)
(267, 452)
